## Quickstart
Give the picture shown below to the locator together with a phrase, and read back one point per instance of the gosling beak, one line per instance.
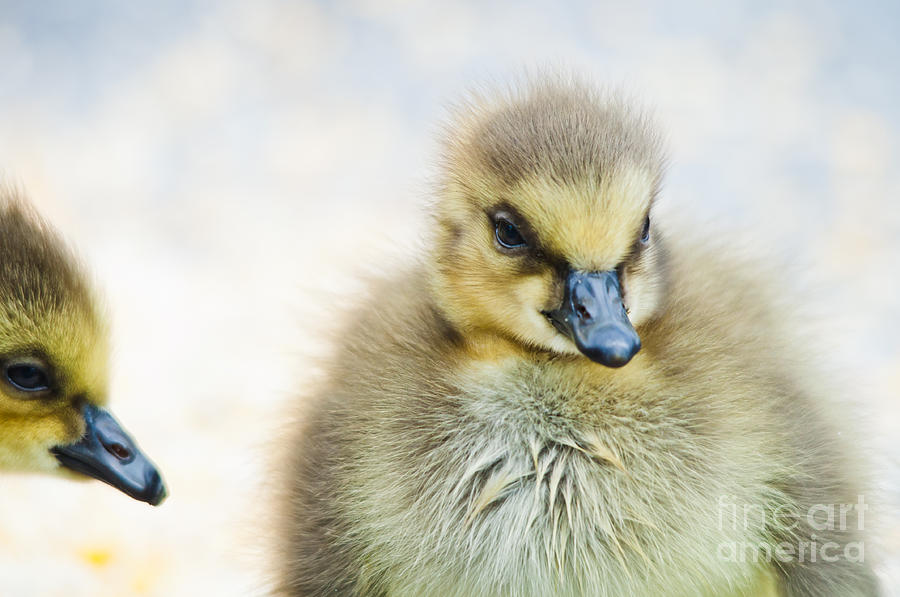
(593, 316)
(108, 453)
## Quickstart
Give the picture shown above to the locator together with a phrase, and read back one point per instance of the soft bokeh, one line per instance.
(227, 168)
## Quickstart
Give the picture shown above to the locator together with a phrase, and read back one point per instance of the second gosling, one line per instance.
(54, 364)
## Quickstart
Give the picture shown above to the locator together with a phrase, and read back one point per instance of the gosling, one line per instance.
(54, 364)
(564, 400)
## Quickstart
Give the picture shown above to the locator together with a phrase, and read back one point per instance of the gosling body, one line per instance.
(468, 442)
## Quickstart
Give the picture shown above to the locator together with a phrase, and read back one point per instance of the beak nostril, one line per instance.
(582, 312)
(119, 451)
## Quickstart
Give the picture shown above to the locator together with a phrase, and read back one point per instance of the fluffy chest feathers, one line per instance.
(534, 487)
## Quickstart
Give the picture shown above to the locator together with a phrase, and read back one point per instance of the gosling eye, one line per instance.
(508, 234)
(645, 231)
(26, 376)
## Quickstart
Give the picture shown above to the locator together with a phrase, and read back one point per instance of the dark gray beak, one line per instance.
(107, 452)
(593, 316)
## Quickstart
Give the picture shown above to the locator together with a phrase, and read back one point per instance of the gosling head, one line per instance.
(546, 233)
(53, 365)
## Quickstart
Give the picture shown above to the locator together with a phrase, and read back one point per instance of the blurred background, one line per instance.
(228, 168)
